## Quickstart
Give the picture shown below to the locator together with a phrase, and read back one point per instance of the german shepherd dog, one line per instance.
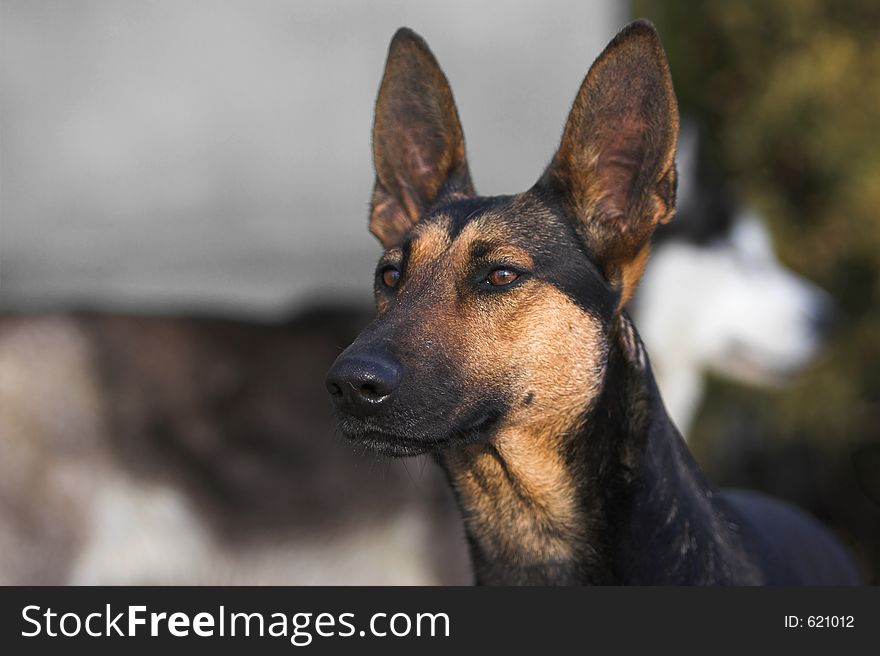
(501, 347)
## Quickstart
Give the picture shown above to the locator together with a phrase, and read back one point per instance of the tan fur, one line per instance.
(554, 353)
(517, 500)
(547, 354)
(429, 243)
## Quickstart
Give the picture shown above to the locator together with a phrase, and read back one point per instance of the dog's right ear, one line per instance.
(614, 169)
(418, 144)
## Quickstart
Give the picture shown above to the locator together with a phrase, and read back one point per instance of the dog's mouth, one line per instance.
(393, 442)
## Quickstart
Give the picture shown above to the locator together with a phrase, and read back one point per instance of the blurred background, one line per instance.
(183, 252)
(790, 95)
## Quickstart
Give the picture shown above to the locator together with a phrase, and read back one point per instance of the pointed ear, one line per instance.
(614, 170)
(418, 145)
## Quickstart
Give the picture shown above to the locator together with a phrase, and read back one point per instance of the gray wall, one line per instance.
(192, 154)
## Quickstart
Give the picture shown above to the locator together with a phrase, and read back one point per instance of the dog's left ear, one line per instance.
(418, 144)
(614, 169)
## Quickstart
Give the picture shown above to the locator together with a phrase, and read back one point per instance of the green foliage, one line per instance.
(790, 93)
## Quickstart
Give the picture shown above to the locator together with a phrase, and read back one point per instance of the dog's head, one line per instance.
(732, 307)
(495, 314)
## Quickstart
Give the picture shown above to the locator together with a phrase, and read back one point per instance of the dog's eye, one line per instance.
(501, 277)
(390, 277)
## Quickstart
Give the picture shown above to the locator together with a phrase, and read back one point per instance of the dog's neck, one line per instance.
(619, 501)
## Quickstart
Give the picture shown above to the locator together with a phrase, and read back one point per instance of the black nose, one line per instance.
(826, 320)
(361, 384)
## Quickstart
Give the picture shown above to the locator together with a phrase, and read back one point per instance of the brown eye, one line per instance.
(501, 277)
(390, 276)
